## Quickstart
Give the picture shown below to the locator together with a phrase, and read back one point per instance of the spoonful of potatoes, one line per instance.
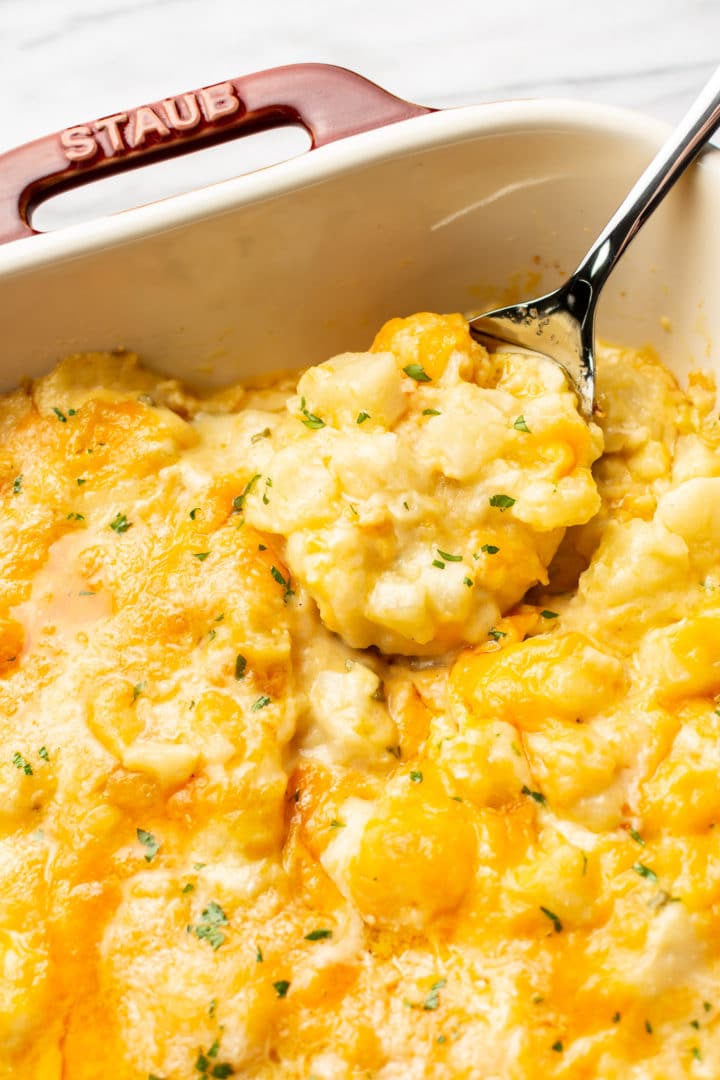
(560, 324)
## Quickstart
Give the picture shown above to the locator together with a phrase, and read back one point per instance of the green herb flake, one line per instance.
(199, 865)
(538, 999)
(239, 500)
(212, 634)
(637, 837)
(21, 763)
(416, 776)
(260, 703)
(396, 751)
(318, 935)
(448, 557)
(644, 871)
(648, 1027)
(285, 582)
(432, 1000)
(60, 415)
(617, 1017)
(496, 634)
(536, 795)
(468, 581)
(696, 1053)
(441, 1039)
(74, 516)
(83, 480)
(695, 1024)
(281, 987)
(258, 955)
(194, 512)
(520, 425)
(188, 888)
(490, 549)
(545, 614)
(335, 824)
(222, 1071)
(240, 666)
(264, 434)
(43, 753)
(138, 689)
(440, 565)
(431, 412)
(120, 523)
(212, 1007)
(502, 502)
(150, 844)
(362, 417)
(557, 1047)
(201, 556)
(213, 917)
(17, 484)
(707, 1006)
(310, 419)
(417, 372)
(557, 925)
(262, 547)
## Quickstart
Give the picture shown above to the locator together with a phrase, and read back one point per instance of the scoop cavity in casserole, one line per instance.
(364, 725)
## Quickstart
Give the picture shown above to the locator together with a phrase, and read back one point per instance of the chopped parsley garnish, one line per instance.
(536, 795)
(73, 516)
(431, 412)
(545, 614)
(266, 497)
(468, 581)
(281, 987)
(150, 844)
(695, 1024)
(212, 634)
(17, 484)
(204, 1063)
(213, 917)
(362, 417)
(502, 502)
(120, 523)
(696, 1053)
(318, 935)
(194, 512)
(201, 556)
(335, 824)
(617, 1017)
(262, 547)
(432, 1001)
(21, 763)
(264, 434)
(188, 888)
(260, 703)
(707, 1006)
(648, 1027)
(490, 549)
(557, 925)
(417, 372)
(239, 500)
(637, 837)
(240, 666)
(440, 565)
(396, 751)
(520, 425)
(557, 1047)
(644, 871)
(310, 421)
(43, 753)
(448, 557)
(81, 480)
(496, 634)
(60, 415)
(285, 582)
(138, 689)
(258, 955)
(416, 776)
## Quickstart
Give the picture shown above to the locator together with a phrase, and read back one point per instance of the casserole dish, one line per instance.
(280, 853)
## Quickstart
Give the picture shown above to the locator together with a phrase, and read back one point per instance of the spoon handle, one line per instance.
(680, 149)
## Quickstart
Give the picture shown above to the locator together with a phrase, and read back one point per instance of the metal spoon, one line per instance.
(560, 325)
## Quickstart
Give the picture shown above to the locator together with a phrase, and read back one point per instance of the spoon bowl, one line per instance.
(561, 324)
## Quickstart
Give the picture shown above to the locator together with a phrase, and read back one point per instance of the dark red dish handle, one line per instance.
(330, 102)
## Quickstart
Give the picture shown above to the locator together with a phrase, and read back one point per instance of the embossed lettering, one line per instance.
(219, 100)
(78, 143)
(110, 124)
(185, 119)
(142, 122)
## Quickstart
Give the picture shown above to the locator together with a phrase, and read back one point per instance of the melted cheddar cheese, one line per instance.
(364, 726)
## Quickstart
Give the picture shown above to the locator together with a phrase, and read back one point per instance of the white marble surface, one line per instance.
(66, 61)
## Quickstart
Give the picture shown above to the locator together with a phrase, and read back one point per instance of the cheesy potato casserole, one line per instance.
(360, 726)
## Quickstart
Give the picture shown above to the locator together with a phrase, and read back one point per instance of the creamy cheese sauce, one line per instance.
(364, 725)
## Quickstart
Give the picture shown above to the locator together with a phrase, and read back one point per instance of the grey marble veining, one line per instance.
(66, 61)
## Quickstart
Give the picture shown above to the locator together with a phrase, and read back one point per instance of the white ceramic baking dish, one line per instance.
(397, 208)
